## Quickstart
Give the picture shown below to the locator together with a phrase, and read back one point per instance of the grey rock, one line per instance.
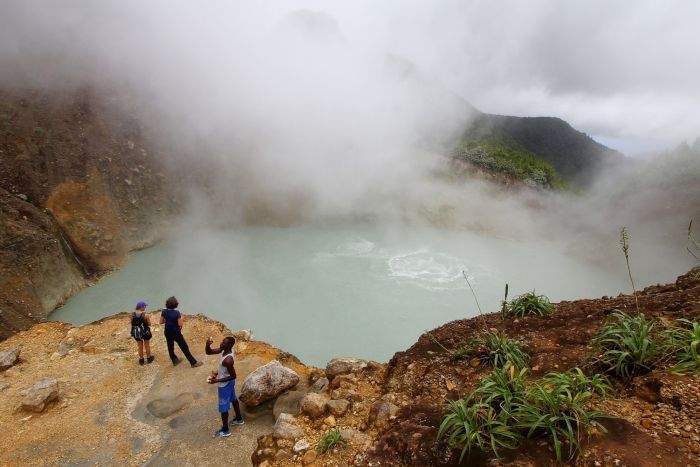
(320, 385)
(8, 358)
(382, 413)
(301, 446)
(355, 437)
(343, 366)
(267, 382)
(286, 428)
(314, 404)
(242, 335)
(288, 403)
(43, 392)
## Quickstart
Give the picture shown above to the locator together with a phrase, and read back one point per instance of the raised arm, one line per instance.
(209, 350)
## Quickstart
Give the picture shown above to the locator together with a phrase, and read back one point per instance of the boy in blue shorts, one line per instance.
(226, 379)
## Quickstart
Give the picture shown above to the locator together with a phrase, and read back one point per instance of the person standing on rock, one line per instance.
(226, 379)
(141, 332)
(172, 319)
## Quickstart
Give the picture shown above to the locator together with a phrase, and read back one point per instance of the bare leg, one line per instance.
(224, 421)
(147, 345)
(237, 409)
(140, 345)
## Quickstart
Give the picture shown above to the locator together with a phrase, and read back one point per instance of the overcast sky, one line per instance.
(626, 72)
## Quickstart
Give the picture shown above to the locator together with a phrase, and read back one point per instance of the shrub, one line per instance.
(529, 304)
(557, 409)
(682, 343)
(626, 346)
(330, 440)
(502, 410)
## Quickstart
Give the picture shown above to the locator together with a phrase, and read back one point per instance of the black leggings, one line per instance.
(171, 338)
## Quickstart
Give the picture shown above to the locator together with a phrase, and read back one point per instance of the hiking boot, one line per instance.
(176, 362)
(150, 359)
(141, 361)
(196, 364)
(222, 434)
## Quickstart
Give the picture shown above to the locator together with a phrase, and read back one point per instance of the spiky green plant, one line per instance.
(626, 346)
(558, 412)
(682, 344)
(328, 441)
(529, 304)
(575, 380)
(502, 389)
(625, 246)
(477, 425)
(499, 350)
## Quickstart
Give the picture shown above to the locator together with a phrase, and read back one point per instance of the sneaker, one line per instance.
(196, 364)
(222, 434)
(150, 359)
(176, 362)
(141, 361)
(237, 421)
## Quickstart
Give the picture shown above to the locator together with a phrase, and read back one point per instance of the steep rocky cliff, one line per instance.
(80, 187)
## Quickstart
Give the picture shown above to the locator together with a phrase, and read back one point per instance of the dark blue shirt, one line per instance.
(171, 317)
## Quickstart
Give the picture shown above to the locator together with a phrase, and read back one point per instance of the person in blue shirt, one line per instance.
(172, 319)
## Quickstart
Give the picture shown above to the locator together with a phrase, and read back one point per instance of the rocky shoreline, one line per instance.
(78, 395)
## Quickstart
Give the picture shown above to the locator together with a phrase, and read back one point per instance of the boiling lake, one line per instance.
(319, 292)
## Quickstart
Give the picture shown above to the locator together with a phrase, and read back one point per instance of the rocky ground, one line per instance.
(105, 408)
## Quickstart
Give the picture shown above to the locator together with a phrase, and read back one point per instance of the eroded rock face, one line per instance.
(343, 366)
(314, 404)
(8, 358)
(43, 392)
(267, 382)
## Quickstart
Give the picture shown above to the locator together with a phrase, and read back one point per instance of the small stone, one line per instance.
(43, 392)
(474, 362)
(329, 420)
(314, 404)
(354, 436)
(688, 427)
(338, 407)
(320, 385)
(301, 446)
(344, 365)
(9, 358)
(381, 413)
(646, 423)
(286, 428)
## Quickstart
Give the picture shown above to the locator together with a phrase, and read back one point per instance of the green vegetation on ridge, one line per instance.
(498, 156)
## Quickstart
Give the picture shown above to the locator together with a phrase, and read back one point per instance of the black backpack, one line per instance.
(139, 329)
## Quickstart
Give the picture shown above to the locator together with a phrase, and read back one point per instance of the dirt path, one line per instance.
(111, 411)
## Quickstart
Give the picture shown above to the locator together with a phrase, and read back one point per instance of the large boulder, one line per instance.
(43, 392)
(8, 358)
(286, 428)
(314, 404)
(267, 382)
(343, 366)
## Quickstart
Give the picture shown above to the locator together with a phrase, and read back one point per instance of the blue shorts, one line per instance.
(227, 395)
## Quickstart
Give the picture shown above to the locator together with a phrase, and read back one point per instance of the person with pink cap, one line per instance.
(141, 332)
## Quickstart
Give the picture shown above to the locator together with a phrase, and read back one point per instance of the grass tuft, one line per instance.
(529, 304)
(330, 440)
(626, 345)
(499, 350)
(682, 343)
